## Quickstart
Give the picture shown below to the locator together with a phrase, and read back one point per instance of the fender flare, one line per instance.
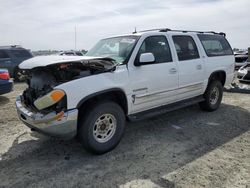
(83, 100)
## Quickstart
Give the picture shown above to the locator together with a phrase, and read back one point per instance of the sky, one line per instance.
(50, 24)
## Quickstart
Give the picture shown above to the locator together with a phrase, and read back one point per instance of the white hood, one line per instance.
(42, 61)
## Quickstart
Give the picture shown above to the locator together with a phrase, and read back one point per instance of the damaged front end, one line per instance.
(41, 106)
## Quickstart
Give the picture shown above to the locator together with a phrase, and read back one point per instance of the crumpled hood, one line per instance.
(42, 61)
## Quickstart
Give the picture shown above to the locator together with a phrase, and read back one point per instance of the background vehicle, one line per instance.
(72, 53)
(244, 73)
(11, 57)
(240, 59)
(132, 77)
(6, 84)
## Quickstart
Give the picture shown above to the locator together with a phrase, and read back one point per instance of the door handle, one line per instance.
(198, 67)
(173, 71)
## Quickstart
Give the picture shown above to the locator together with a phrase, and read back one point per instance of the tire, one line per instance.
(213, 96)
(105, 118)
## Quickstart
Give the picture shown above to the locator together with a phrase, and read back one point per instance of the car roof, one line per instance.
(179, 32)
(12, 47)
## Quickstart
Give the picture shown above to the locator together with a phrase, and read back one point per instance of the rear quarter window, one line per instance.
(215, 45)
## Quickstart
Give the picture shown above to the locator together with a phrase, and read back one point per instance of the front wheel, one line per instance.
(101, 128)
(213, 96)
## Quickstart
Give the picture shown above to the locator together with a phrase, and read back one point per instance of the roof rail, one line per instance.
(183, 31)
(161, 30)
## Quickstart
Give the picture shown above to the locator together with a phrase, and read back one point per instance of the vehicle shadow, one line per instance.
(4, 100)
(148, 150)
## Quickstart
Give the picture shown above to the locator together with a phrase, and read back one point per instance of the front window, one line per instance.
(118, 48)
(158, 46)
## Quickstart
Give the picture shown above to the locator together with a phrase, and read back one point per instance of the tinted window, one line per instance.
(79, 53)
(157, 45)
(215, 45)
(185, 47)
(3, 54)
(69, 53)
(20, 53)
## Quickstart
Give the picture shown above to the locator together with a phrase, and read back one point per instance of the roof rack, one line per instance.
(183, 31)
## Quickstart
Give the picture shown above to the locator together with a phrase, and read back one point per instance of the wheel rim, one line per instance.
(104, 128)
(214, 96)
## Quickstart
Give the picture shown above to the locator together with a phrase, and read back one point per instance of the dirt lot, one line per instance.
(185, 148)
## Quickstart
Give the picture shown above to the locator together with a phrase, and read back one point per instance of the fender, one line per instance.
(218, 74)
(100, 93)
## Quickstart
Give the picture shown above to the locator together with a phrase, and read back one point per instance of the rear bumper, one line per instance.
(64, 127)
(6, 86)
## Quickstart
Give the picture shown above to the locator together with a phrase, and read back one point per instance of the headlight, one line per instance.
(50, 99)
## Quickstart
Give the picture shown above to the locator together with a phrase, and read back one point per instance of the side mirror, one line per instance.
(146, 58)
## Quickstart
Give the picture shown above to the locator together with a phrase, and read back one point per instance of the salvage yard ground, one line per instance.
(184, 148)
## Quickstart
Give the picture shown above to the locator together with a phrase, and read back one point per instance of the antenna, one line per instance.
(75, 38)
(135, 31)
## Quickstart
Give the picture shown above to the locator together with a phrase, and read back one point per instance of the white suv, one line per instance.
(128, 77)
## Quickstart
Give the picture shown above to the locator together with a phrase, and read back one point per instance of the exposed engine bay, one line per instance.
(42, 80)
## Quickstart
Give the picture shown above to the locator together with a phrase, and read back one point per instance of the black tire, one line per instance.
(211, 104)
(87, 124)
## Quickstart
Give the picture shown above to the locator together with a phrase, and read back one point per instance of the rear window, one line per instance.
(215, 45)
(20, 53)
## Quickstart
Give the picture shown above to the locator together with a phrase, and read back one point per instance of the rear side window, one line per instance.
(185, 47)
(215, 45)
(20, 53)
(157, 45)
(3, 54)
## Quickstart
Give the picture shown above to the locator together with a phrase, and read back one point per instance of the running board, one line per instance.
(165, 109)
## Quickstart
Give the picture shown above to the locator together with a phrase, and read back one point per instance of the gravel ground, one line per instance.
(184, 148)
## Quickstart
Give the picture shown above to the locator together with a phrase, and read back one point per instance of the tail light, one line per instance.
(4, 75)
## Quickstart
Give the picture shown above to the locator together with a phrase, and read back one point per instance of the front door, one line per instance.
(153, 84)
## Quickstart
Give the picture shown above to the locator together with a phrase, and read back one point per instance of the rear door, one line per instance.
(154, 84)
(191, 67)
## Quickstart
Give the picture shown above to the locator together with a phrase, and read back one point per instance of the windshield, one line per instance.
(118, 48)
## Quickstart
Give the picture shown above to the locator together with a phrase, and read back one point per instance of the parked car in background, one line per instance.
(6, 84)
(244, 73)
(72, 53)
(240, 58)
(11, 57)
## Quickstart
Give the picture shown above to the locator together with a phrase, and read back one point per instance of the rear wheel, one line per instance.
(213, 96)
(101, 128)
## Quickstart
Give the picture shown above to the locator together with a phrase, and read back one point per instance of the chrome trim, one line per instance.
(191, 87)
(140, 89)
(138, 99)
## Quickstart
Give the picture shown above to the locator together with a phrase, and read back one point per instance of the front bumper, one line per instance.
(62, 125)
